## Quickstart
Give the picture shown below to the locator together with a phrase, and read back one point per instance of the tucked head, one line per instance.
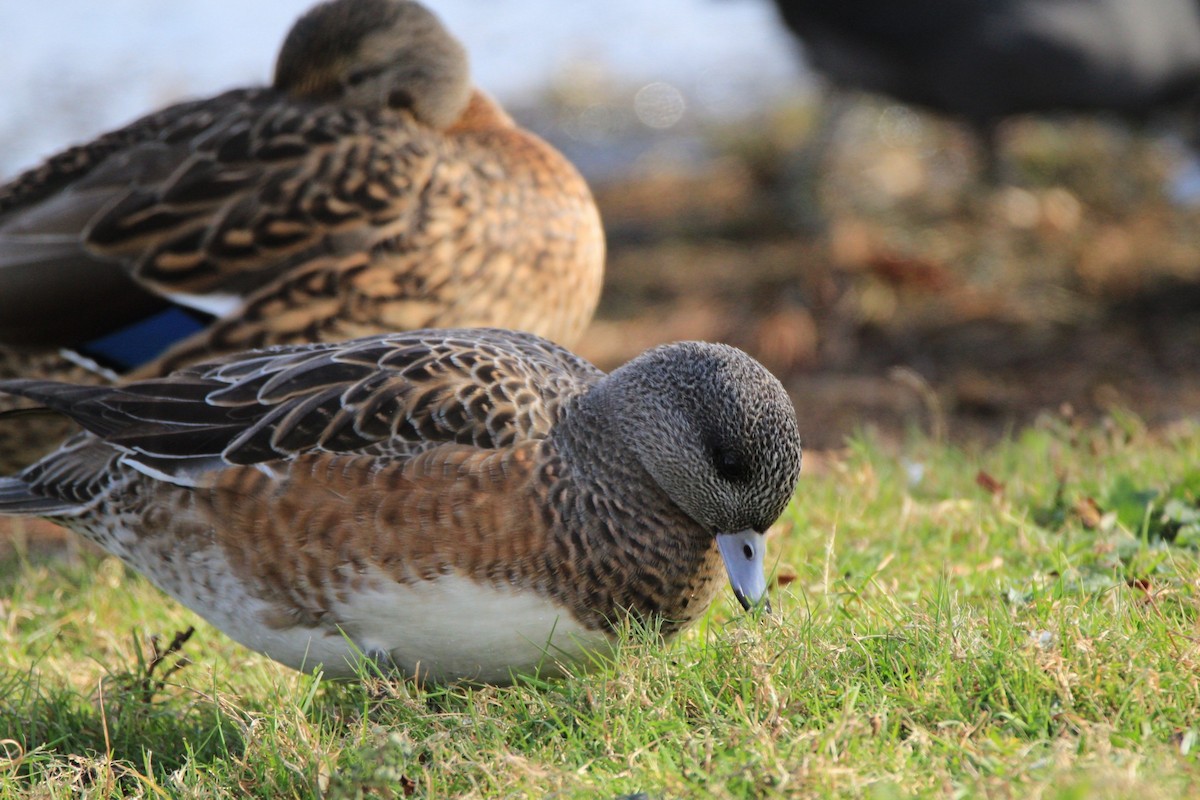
(376, 54)
(717, 432)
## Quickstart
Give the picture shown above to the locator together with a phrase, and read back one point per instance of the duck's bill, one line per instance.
(743, 554)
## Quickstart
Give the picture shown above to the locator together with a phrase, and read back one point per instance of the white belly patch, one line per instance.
(446, 629)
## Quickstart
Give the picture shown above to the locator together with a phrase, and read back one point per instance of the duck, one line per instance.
(371, 187)
(448, 504)
(984, 62)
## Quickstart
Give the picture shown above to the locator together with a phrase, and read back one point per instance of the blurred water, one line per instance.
(70, 69)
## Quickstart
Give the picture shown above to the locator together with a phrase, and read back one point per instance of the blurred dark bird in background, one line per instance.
(985, 60)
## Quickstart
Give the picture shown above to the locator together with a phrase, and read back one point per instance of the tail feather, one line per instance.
(17, 499)
(54, 395)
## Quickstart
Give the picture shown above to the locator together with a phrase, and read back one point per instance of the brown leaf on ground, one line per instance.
(1088, 511)
(1139, 583)
(989, 484)
(785, 575)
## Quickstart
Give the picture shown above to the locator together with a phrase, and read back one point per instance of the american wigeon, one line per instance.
(467, 503)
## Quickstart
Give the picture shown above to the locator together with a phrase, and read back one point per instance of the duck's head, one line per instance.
(717, 432)
(375, 54)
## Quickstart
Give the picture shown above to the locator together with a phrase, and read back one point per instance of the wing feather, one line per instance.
(215, 197)
(398, 394)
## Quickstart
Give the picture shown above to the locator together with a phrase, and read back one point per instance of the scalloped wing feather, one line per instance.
(218, 196)
(398, 394)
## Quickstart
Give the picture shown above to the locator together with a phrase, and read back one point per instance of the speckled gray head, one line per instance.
(376, 54)
(718, 433)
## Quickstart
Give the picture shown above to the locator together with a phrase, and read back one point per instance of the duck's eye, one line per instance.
(399, 98)
(361, 76)
(729, 464)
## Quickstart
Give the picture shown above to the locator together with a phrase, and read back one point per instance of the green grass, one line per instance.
(1032, 635)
